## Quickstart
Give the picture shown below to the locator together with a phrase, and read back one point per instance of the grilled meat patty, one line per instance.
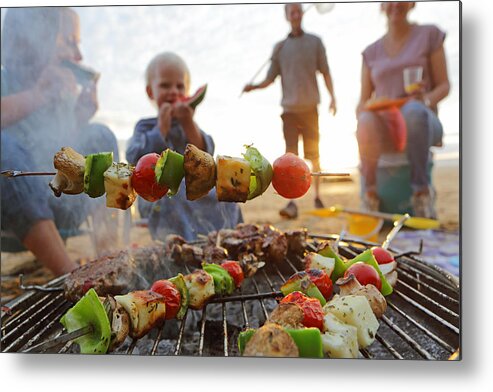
(119, 273)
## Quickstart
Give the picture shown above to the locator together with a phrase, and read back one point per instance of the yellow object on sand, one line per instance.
(365, 227)
(413, 222)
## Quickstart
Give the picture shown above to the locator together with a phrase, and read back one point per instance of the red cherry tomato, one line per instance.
(364, 274)
(381, 255)
(144, 178)
(291, 176)
(235, 270)
(171, 296)
(322, 281)
(313, 315)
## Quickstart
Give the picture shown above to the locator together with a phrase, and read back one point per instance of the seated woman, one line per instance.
(41, 111)
(404, 45)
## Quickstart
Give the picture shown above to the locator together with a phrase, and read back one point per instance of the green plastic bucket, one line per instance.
(394, 183)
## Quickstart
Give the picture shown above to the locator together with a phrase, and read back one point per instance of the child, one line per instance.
(167, 80)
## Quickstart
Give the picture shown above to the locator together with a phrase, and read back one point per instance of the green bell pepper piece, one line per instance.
(223, 282)
(261, 170)
(300, 281)
(180, 284)
(244, 337)
(96, 165)
(169, 170)
(89, 311)
(339, 266)
(308, 340)
(368, 258)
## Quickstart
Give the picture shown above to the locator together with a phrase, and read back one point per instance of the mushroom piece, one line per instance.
(350, 286)
(288, 315)
(391, 278)
(271, 340)
(119, 320)
(70, 167)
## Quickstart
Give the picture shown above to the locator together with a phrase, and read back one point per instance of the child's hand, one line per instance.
(164, 118)
(183, 113)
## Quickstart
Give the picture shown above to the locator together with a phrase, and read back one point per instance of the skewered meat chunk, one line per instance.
(275, 247)
(200, 286)
(247, 229)
(189, 254)
(200, 172)
(355, 310)
(250, 264)
(351, 286)
(118, 186)
(233, 179)
(145, 308)
(340, 340)
(70, 167)
(287, 315)
(215, 254)
(271, 340)
(171, 240)
(315, 261)
(297, 241)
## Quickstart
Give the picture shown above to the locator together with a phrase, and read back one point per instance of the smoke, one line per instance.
(177, 215)
(32, 44)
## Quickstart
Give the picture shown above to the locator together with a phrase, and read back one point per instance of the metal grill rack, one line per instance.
(422, 320)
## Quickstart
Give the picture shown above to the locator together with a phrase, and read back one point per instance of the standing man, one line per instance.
(297, 60)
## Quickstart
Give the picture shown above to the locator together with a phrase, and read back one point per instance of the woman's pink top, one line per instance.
(387, 72)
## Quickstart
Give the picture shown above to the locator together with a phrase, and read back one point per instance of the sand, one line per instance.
(264, 209)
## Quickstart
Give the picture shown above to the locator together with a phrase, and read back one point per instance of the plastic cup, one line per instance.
(413, 77)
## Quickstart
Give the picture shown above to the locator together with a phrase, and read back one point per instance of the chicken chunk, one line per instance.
(200, 286)
(146, 310)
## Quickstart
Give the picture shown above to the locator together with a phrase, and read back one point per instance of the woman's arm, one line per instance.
(17, 106)
(366, 88)
(439, 77)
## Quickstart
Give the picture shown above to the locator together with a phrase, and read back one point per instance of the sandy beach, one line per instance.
(264, 209)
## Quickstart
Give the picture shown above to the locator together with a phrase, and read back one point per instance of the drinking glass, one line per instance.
(413, 78)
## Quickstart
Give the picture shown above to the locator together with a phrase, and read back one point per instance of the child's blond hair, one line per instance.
(168, 58)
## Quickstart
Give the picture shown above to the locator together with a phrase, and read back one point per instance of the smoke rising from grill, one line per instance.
(35, 42)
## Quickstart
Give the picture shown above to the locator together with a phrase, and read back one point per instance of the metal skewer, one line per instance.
(61, 339)
(18, 173)
(397, 226)
(326, 174)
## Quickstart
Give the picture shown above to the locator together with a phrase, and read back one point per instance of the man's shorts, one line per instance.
(305, 124)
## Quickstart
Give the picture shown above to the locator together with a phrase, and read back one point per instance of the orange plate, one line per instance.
(382, 104)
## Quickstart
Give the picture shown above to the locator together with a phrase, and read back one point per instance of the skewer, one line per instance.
(64, 338)
(397, 226)
(326, 174)
(18, 173)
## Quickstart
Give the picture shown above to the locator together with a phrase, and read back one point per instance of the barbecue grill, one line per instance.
(422, 320)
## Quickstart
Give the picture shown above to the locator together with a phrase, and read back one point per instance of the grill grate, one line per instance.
(422, 320)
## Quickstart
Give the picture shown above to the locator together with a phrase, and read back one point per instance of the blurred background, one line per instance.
(225, 45)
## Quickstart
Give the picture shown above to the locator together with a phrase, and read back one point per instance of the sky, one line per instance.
(225, 45)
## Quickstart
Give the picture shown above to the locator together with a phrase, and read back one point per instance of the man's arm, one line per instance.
(272, 73)
(330, 89)
(264, 84)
